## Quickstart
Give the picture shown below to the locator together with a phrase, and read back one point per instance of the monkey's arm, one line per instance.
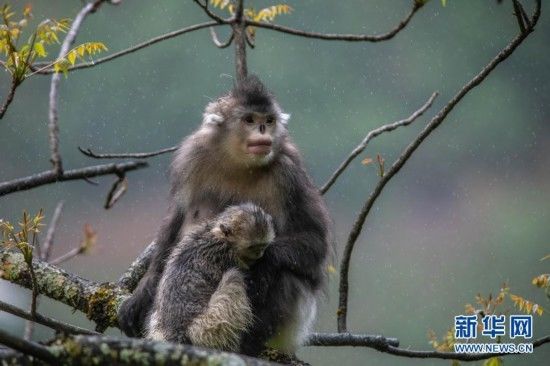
(133, 312)
(303, 246)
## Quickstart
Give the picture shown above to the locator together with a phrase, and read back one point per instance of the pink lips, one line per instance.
(259, 147)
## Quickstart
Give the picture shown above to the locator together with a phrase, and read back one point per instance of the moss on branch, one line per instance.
(99, 301)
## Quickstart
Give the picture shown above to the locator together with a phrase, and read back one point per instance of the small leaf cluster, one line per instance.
(25, 237)
(267, 14)
(21, 53)
(542, 281)
(78, 53)
(492, 305)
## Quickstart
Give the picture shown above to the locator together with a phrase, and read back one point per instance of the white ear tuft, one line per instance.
(284, 118)
(213, 119)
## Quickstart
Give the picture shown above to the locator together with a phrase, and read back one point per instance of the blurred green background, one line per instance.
(469, 211)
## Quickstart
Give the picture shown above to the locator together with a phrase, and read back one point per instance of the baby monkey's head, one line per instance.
(244, 225)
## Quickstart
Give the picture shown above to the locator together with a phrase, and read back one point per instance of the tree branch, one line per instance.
(9, 97)
(44, 320)
(109, 351)
(67, 256)
(349, 339)
(53, 126)
(72, 350)
(44, 254)
(26, 347)
(133, 49)
(239, 34)
(217, 41)
(50, 176)
(407, 153)
(91, 154)
(372, 134)
(341, 37)
(391, 346)
(213, 16)
(130, 279)
(46, 249)
(467, 357)
(99, 301)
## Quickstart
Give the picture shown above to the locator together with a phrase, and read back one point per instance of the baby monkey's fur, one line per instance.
(202, 295)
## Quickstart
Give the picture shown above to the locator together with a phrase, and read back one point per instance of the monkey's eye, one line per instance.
(249, 119)
(270, 120)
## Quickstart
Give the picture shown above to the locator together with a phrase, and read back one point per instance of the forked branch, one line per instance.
(51, 176)
(129, 50)
(140, 155)
(53, 127)
(372, 134)
(407, 153)
(342, 37)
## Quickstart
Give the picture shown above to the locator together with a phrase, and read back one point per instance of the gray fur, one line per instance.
(202, 296)
(210, 173)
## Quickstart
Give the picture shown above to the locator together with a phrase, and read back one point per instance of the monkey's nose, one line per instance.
(262, 128)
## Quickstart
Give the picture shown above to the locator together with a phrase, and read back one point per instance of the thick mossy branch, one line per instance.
(99, 301)
(98, 350)
(101, 350)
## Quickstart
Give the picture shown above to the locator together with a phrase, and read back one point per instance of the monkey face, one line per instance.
(248, 228)
(255, 137)
(244, 223)
(248, 124)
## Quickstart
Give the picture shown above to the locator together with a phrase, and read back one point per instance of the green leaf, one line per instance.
(40, 50)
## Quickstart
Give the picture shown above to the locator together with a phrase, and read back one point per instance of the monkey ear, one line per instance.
(213, 119)
(284, 118)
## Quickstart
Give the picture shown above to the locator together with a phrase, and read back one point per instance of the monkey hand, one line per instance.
(132, 314)
(249, 253)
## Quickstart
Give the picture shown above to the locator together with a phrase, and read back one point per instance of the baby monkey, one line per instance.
(202, 296)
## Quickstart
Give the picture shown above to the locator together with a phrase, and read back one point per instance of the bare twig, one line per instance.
(217, 41)
(135, 48)
(44, 320)
(27, 347)
(349, 339)
(341, 37)
(90, 182)
(53, 126)
(239, 33)
(91, 154)
(118, 189)
(50, 176)
(27, 332)
(519, 15)
(204, 7)
(69, 255)
(250, 40)
(46, 249)
(9, 98)
(407, 153)
(372, 134)
(391, 346)
(467, 357)
(34, 290)
(44, 254)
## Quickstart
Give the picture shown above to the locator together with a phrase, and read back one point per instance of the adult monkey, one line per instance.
(242, 153)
